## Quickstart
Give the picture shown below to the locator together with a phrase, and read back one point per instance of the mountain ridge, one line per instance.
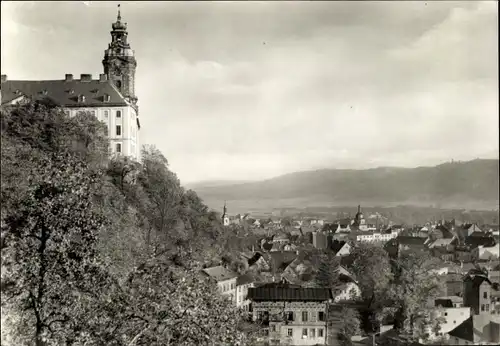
(449, 183)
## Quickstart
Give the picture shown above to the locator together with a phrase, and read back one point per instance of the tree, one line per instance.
(327, 274)
(349, 326)
(49, 253)
(413, 286)
(372, 270)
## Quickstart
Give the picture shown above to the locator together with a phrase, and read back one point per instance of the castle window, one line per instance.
(118, 147)
(320, 332)
(304, 333)
(107, 98)
(290, 332)
(118, 130)
(118, 114)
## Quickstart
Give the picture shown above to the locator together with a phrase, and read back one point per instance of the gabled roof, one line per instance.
(283, 293)
(281, 259)
(219, 273)
(64, 93)
(441, 242)
(475, 329)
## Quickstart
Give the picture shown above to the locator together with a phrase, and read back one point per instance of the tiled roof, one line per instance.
(64, 93)
(220, 273)
(405, 240)
(474, 242)
(441, 242)
(289, 294)
(244, 279)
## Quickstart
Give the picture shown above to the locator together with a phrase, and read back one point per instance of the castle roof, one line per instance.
(65, 93)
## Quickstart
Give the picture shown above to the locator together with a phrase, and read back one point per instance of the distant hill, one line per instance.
(213, 183)
(471, 184)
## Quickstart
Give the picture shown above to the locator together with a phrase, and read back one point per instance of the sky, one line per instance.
(252, 90)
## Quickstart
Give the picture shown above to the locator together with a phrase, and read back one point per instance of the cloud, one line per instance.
(249, 90)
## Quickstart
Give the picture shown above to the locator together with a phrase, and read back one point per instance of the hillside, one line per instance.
(471, 184)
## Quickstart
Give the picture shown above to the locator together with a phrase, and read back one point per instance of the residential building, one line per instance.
(476, 330)
(494, 274)
(319, 240)
(243, 283)
(111, 98)
(371, 236)
(485, 253)
(291, 314)
(347, 291)
(226, 280)
(342, 249)
(477, 293)
(452, 316)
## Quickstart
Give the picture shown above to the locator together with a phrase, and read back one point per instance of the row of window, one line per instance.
(485, 308)
(312, 316)
(228, 287)
(306, 333)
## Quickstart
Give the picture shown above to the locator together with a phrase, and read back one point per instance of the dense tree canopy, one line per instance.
(102, 250)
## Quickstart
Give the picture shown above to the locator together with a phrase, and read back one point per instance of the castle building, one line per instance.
(111, 97)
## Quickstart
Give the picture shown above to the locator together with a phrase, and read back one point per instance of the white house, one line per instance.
(243, 283)
(226, 280)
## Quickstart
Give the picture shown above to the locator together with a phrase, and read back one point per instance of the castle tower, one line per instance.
(119, 61)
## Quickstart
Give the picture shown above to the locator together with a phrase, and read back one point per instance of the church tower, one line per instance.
(225, 217)
(119, 61)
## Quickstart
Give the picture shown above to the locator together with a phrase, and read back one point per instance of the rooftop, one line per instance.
(66, 93)
(220, 273)
(282, 292)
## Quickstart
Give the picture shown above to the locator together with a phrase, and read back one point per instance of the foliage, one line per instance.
(49, 253)
(103, 251)
(327, 275)
(414, 285)
(371, 268)
(349, 326)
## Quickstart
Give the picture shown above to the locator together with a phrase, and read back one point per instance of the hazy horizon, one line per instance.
(255, 90)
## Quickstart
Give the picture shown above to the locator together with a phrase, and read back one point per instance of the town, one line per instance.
(277, 279)
(103, 245)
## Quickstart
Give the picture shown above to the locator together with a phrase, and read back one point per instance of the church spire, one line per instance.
(119, 16)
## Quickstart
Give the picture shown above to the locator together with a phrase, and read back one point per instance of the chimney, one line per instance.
(85, 77)
(4, 78)
(68, 77)
(103, 77)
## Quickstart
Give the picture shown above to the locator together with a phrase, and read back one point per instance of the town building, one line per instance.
(243, 283)
(290, 314)
(476, 330)
(452, 312)
(478, 293)
(225, 279)
(110, 98)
